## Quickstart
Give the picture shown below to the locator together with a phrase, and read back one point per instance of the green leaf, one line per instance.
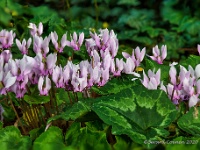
(8, 113)
(40, 16)
(137, 18)
(192, 60)
(51, 139)
(36, 99)
(5, 17)
(153, 32)
(11, 138)
(127, 34)
(174, 16)
(88, 22)
(134, 112)
(121, 144)
(35, 133)
(143, 40)
(114, 86)
(72, 112)
(84, 138)
(190, 122)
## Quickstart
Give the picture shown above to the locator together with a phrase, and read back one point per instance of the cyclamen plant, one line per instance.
(43, 70)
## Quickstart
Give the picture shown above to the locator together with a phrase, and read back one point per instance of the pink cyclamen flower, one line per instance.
(6, 39)
(94, 76)
(152, 80)
(104, 77)
(129, 66)
(22, 67)
(76, 42)
(34, 30)
(103, 42)
(6, 81)
(7, 55)
(63, 42)
(44, 85)
(44, 66)
(194, 98)
(117, 67)
(159, 55)
(41, 45)
(24, 46)
(137, 55)
(79, 84)
(57, 77)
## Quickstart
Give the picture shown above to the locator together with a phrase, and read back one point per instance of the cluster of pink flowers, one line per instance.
(184, 86)
(17, 75)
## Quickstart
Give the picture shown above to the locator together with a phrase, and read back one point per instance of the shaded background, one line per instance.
(175, 23)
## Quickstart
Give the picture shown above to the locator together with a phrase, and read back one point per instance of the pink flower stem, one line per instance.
(172, 94)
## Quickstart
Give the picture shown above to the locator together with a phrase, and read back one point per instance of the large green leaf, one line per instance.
(114, 86)
(51, 139)
(36, 132)
(190, 122)
(11, 138)
(84, 138)
(140, 113)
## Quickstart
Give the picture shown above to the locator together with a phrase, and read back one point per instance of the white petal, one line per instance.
(197, 71)
(9, 81)
(193, 100)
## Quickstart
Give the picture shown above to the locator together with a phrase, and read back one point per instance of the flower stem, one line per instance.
(13, 107)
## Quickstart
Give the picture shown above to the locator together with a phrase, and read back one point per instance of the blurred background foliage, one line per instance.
(175, 23)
